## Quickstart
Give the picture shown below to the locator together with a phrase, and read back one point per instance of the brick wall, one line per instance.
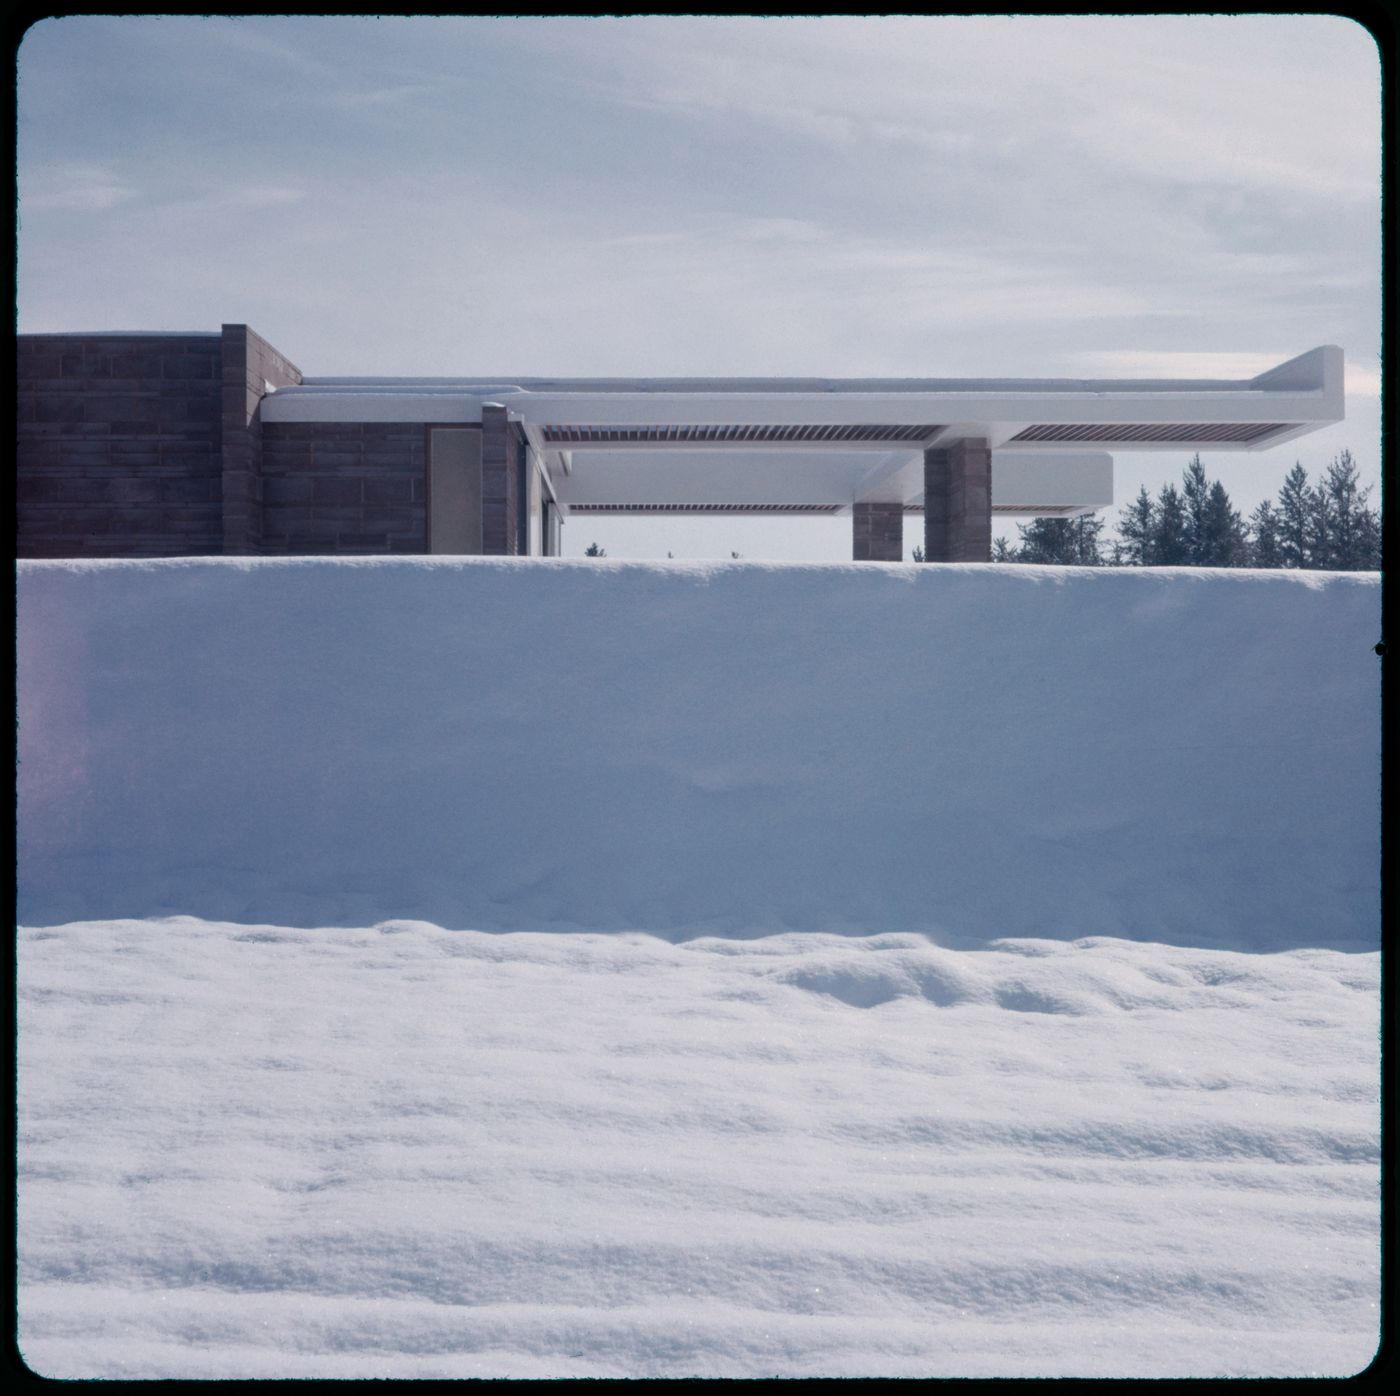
(500, 503)
(250, 365)
(877, 532)
(118, 445)
(343, 487)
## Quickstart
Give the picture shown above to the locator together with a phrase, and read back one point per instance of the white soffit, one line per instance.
(1026, 482)
(744, 476)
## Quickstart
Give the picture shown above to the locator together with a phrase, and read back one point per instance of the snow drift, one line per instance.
(1184, 756)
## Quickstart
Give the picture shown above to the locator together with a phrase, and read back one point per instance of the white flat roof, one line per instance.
(821, 443)
(1127, 414)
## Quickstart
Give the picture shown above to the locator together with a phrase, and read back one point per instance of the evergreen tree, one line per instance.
(1195, 499)
(593, 550)
(1368, 541)
(1221, 541)
(1294, 509)
(1318, 529)
(1137, 524)
(1002, 551)
(1088, 547)
(1354, 530)
(1265, 546)
(919, 551)
(1329, 525)
(1073, 542)
(1214, 534)
(1171, 543)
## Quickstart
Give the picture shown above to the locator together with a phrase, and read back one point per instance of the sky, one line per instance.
(865, 196)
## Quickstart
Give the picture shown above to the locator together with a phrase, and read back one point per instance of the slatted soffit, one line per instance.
(707, 508)
(1152, 431)
(565, 436)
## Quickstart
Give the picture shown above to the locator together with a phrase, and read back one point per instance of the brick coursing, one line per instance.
(249, 367)
(118, 445)
(877, 532)
(142, 445)
(958, 502)
(343, 487)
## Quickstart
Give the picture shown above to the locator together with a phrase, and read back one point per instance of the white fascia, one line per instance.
(316, 404)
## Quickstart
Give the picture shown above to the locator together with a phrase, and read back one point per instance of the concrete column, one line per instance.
(877, 533)
(498, 485)
(958, 502)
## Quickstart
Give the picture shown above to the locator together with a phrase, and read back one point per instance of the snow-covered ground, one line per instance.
(816, 971)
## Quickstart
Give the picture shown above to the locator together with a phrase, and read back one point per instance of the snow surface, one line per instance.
(588, 969)
(405, 1151)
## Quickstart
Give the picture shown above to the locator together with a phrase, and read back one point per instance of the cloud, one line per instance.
(244, 36)
(74, 188)
(1166, 99)
(1363, 380)
(256, 196)
(378, 96)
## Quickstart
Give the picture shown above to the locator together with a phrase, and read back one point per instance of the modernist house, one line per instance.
(160, 444)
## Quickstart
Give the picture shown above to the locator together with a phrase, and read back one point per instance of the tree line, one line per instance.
(1328, 526)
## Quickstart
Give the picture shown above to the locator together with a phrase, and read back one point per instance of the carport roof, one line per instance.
(764, 444)
(718, 413)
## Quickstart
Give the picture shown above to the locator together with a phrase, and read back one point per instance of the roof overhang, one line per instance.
(813, 444)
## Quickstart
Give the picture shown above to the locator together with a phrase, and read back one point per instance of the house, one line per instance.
(168, 444)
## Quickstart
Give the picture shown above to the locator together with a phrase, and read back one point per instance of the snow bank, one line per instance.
(1184, 756)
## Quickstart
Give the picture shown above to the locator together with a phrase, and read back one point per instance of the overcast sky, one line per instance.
(845, 197)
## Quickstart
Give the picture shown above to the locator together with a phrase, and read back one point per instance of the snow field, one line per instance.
(404, 1151)
(760, 970)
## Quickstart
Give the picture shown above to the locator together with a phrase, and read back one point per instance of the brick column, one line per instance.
(250, 364)
(498, 483)
(877, 532)
(958, 502)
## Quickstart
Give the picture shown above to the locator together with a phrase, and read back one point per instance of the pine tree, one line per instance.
(1294, 508)
(1002, 551)
(1265, 547)
(1137, 523)
(1195, 499)
(1214, 534)
(919, 551)
(593, 550)
(1368, 541)
(1318, 529)
(1087, 546)
(1171, 544)
(1073, 542)
(1354, 529)
(1221, 541)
